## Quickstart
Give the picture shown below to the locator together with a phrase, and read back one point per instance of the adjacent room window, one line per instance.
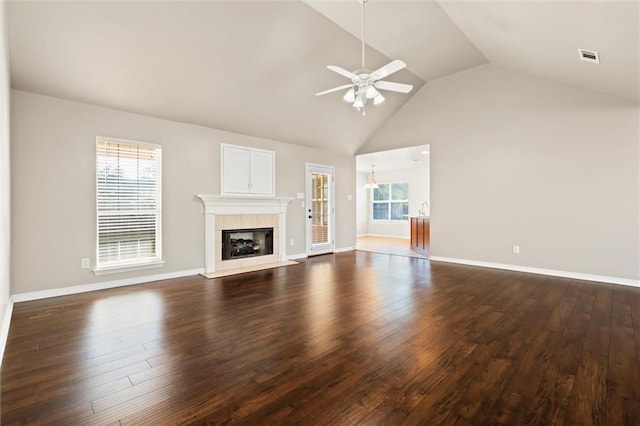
(391, 201)
(128, 178)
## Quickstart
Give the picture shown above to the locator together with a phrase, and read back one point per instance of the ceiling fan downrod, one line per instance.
(365, 83)
(362, 87)
(364, 2)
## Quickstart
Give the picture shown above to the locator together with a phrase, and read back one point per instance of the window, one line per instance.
(391, 201)
(128, 177)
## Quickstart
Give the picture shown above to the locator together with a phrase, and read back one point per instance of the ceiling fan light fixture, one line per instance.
(350, 96)
(372, 92)
(378, 99)
(359, 102)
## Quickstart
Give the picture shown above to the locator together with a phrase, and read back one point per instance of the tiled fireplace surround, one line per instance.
(221, 212)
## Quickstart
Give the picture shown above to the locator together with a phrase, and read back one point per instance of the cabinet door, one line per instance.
(236, 170)
(420, 233)
(262, 166)
(414, 232)
(427, 235)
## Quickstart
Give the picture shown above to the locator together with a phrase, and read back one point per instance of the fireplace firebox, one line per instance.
(240, 243)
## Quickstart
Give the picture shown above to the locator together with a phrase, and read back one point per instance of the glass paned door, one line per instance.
(319, 209)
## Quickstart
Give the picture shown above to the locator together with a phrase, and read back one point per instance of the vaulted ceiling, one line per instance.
(253, 67)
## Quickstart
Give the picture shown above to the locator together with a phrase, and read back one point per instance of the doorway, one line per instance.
(320, 210)
(392, 188)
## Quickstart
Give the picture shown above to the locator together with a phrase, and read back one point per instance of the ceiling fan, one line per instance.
(365, 83)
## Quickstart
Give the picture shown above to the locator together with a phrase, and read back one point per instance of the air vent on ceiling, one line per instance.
(589, 56)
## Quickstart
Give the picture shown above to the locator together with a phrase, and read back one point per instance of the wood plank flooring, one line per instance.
(387, 245)
(353, 338)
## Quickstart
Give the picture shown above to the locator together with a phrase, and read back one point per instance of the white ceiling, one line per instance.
(246, 67)
(418, 32)
(543, 37)
(253, 67)
(396, 159)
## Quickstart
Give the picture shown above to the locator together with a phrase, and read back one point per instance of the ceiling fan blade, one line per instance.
(392, 86)
(335, 89)
(342, 72)
(393, 66)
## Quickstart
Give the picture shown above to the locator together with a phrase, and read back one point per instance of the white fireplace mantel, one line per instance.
(217, 205)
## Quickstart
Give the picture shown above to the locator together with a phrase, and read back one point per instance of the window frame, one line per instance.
(389, 201)
(140, 263)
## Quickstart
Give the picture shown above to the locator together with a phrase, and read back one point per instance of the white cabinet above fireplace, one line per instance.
(247, 171)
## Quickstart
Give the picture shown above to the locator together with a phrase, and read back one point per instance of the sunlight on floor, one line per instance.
(387, 245)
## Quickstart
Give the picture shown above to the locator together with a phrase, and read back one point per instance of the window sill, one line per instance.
(128, 267)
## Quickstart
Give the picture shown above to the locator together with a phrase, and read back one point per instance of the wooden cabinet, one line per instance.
(420, 235)
(247, 171)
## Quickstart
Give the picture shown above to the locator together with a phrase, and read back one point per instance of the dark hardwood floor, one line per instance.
(352, 338)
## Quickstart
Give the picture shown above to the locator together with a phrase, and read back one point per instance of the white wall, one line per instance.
(53, 171)
(519, 159)
(362, 204)
(418, 179)
(5, 222)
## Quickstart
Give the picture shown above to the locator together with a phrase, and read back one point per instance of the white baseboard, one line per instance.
(64, 291)
(304, 255)
(540, 271)
(4, 332)
(343, 249)
(297, 256)
(384, 236)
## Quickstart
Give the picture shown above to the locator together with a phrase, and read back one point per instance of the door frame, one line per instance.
(330, 170)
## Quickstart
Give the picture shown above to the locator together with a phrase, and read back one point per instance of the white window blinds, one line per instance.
(128, 177)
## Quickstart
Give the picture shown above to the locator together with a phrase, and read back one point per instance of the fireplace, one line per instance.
(241, 215)
(240, 243)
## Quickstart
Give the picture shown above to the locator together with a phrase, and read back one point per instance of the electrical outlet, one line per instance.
(300, 195)
(291, 242)
(85, 263)
(516, 249)
(349, 197)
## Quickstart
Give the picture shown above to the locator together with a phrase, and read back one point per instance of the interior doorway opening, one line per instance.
(392, 192)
